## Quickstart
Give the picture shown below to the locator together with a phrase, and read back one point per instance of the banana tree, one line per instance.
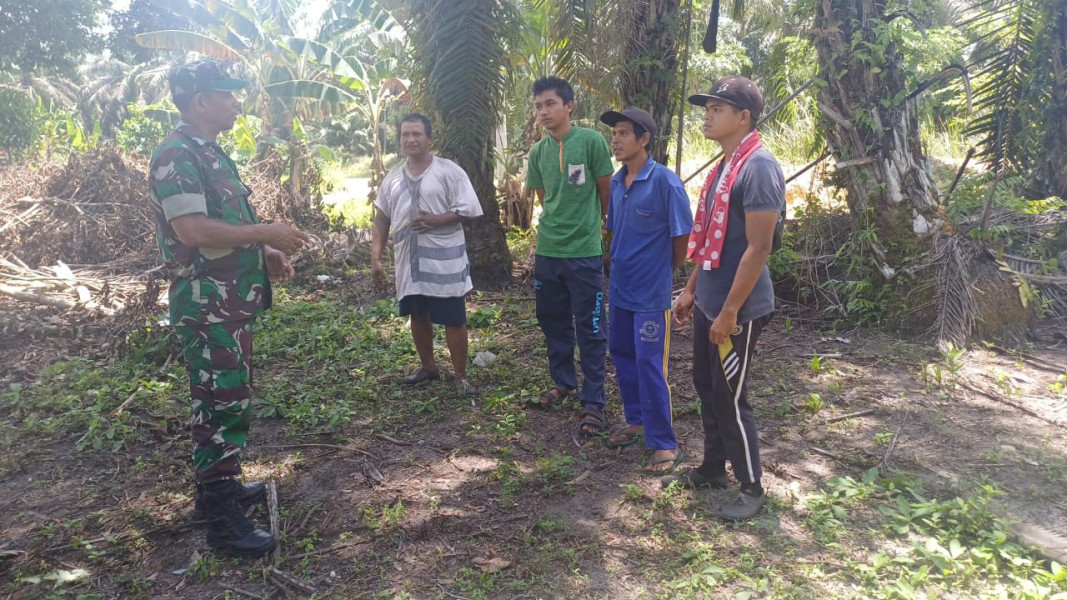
(350, 84)
(248, 35)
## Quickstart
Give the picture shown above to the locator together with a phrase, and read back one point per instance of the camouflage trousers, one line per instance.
(218, 357)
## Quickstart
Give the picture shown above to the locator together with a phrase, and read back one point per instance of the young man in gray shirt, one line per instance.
(731, 287)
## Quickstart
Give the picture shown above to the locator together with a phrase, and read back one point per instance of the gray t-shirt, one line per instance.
(759, 186)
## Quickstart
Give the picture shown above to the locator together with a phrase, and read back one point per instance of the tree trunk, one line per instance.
(487, 247)
(874, 135)
(872, 132)
(651, 64)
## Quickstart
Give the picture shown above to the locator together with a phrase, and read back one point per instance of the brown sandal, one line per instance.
(553, 398)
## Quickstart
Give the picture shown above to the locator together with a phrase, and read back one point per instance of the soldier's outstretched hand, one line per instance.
(286, 238)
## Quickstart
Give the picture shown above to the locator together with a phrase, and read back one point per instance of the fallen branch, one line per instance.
(858, 413)
(826, 453)
(93, 288)
(119, 538)
(272, 509)
(893, 442)
(129, 399)
(391, 440)
(240, 591)
(290, 580)
(21, 218)
(329, 550)
(22, 294)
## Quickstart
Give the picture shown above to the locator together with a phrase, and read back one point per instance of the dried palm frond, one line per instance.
(957, 307)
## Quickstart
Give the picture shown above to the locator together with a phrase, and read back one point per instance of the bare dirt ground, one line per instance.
(494, 501)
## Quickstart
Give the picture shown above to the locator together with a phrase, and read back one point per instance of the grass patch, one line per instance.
(500, 481)
(79, 400)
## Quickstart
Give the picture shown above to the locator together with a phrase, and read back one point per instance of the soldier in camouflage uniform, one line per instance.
(220, 259)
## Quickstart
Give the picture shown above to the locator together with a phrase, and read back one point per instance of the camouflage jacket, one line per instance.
(191, 175)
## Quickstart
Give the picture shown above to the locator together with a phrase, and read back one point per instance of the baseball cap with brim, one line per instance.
(734, 90)
(633, 115)
(195, 78)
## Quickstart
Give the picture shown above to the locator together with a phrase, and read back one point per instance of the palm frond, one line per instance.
(1006, 32)
(584, 42)
(174, 39)
(58, 92)
(957, 306)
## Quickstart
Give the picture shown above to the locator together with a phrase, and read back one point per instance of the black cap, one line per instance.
(736, 90)
(632, 114)
(205, 76)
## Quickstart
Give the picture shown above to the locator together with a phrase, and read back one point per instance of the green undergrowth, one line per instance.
(96, 407)
(320, 364)
(325, 365)
(922, 547)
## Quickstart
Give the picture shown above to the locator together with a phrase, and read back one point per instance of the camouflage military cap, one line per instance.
(189, 80)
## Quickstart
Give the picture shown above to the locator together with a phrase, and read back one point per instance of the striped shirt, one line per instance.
(432, 263)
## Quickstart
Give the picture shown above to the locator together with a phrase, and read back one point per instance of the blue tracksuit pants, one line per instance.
(569, 294)
(640, 344)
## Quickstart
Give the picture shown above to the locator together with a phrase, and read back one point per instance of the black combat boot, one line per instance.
(247, 495)
(228, 529)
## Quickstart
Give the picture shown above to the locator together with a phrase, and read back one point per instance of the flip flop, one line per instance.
(674, 462)
(632, 438)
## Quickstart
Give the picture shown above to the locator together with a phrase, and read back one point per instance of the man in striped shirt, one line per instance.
(422, 204)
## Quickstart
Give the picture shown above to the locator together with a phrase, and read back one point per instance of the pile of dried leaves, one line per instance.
(92, 210)
(78, 259)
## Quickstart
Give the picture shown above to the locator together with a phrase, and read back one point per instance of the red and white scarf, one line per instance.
(707, 237)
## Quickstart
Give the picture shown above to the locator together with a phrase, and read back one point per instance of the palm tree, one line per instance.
(654, 31)
(108, 86)
(1021, 60)
(871, 129)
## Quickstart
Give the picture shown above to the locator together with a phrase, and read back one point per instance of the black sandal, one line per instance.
(420, 376)
(592, 416)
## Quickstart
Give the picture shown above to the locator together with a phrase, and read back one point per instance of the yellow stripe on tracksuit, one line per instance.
(666, 359)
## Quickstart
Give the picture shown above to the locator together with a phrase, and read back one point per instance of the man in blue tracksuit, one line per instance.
(650, 219)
